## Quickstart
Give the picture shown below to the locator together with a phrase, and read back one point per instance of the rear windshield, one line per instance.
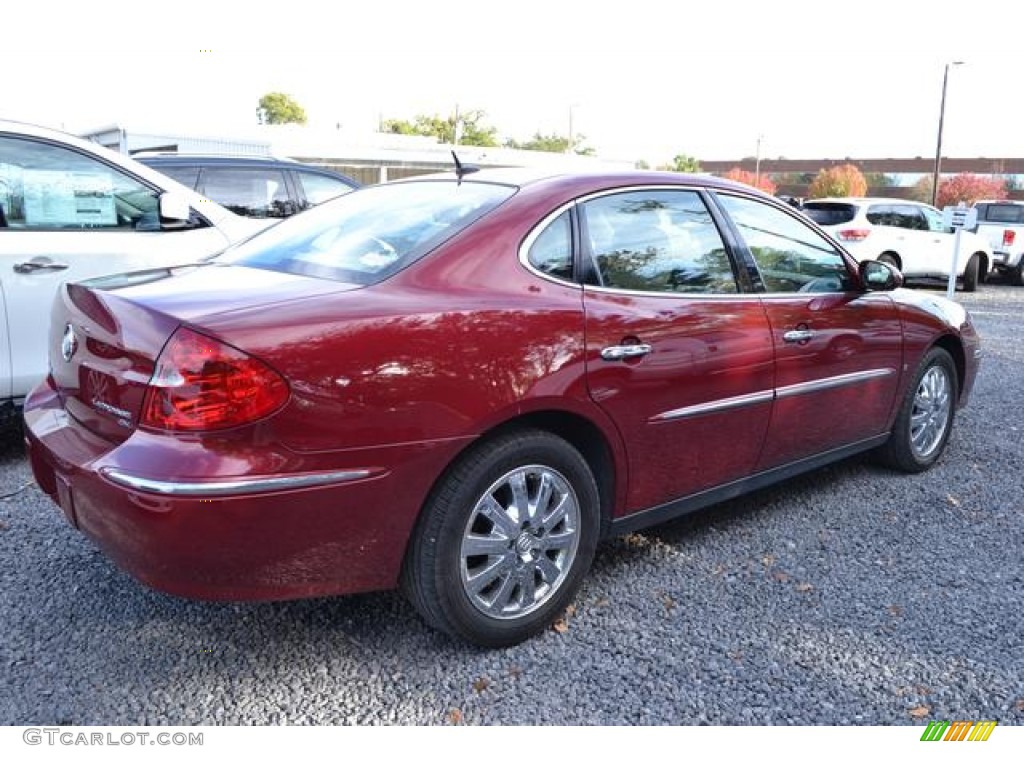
(372, 233)
(827, 214)
(1001, 213)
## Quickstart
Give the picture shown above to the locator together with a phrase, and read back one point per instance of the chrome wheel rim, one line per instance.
(520, 542)
(931, 412)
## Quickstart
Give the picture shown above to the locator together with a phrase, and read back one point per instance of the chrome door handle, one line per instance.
(793, 337)
(39, 264)
(623, 351)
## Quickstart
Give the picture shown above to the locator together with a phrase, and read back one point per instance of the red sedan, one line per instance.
(461, 384)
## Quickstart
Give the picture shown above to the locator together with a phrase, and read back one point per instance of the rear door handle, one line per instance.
(39, 264)
(794, 337)
(623, 351)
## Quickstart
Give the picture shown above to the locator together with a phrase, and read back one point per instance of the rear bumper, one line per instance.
(316, 529)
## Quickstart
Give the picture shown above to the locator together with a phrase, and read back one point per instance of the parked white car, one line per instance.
(70, 210)
(907, 234)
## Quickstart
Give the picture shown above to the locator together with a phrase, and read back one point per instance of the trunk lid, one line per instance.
(107, 334)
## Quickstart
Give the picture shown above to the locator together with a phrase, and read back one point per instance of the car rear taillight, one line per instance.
(203, 384)
(853, 235)
(1009, 235)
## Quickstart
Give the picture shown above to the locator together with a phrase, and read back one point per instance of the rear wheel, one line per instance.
(925, 418)
(971, 274)
(505, 540)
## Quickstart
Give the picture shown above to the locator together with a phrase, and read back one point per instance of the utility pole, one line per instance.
(938, 143)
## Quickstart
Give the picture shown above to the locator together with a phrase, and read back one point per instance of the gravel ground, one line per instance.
(850, 595)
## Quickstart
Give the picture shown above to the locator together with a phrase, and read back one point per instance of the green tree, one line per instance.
(642, 165)
(551, 142)
(281, 108)
(684, 164)
(472, 131)
(877, 179)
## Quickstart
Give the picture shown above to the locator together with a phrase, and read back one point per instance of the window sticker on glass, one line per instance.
(61, 199)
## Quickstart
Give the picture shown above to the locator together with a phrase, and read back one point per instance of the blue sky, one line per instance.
(643, 80)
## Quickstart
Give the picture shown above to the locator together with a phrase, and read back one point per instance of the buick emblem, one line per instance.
(69, 344)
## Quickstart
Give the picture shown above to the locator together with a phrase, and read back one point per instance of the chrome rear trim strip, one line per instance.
(211, 488)
(832, 382)
(714, 406)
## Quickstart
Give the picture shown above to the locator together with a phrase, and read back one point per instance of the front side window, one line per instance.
(662, 241)
(257, 192)
(371, 233)
(789, 254)
(46, 186)
(934, 219)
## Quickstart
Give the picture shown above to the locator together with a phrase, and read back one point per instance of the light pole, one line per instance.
(938, 143)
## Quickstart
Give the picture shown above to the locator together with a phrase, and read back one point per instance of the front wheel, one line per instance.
(925, 418)
(1017, 273)
(504, 540)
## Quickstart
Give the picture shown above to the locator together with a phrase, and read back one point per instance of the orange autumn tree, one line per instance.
(763, 183)
(839, 181)
(969, 187)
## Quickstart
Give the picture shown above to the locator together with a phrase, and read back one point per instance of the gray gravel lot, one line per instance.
(849, 595)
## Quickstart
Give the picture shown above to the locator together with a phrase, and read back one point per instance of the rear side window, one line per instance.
(256, 192)
(829, 214)
(551, 252)
(661, 241)
(902, 216)
(371, 233)
(1001, 213)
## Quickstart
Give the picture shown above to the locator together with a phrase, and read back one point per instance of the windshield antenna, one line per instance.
(462, 169)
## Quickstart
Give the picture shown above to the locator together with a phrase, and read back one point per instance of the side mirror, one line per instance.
(879, 276)
(175, 211)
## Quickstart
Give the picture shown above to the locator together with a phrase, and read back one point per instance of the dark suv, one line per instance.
(261, 187)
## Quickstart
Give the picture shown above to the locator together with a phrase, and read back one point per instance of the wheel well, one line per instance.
(956, 351)
(579, 432)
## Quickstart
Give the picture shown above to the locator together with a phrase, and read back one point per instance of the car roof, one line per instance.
(866, 201)
(156, 159)
(530, 177)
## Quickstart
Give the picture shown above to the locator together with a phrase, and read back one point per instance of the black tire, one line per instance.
(1017, 273)
(891, 259)
(971, 274)
(925, 419)
(474, 562)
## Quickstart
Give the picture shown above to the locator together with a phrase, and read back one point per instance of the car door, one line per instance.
(919, 254)
(677, 357)
(71, 216)
(838, 349)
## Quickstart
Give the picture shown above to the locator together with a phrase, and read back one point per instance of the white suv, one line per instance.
(904, 233)
(70, 210)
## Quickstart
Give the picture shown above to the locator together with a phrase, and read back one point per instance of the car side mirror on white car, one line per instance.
(879, 276)
(175, 210)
